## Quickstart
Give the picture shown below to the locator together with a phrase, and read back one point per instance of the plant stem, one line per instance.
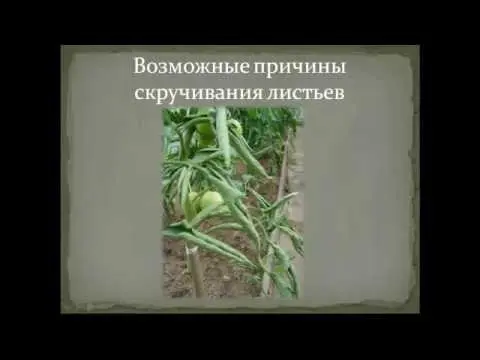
(193, 259)
(276, 233)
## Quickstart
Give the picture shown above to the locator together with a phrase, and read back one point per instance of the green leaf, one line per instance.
(223, 135)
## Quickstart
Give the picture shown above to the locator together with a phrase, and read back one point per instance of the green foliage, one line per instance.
(191, 166)
(265, 131)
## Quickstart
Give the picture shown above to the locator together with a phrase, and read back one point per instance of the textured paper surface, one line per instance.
(358, 176)
(115, 248)
(358, 186)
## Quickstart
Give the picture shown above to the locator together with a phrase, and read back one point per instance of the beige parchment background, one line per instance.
(361, 164)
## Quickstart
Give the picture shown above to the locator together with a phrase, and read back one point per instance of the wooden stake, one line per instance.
(195, 268)
(276, 234)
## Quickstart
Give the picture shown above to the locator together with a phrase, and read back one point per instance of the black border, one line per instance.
(51, 283)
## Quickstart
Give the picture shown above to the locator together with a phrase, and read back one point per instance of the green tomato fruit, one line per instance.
(204, 142)
(194, 201)
(210, 198)
(205, 129)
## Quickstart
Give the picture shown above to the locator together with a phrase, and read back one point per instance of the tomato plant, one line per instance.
(201, 148)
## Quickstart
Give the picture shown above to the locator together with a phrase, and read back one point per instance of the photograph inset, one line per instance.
(232, 195)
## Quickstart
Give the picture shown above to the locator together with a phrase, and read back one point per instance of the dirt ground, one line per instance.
(221, 279)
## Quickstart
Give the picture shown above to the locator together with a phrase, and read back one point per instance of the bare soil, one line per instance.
(221, 278)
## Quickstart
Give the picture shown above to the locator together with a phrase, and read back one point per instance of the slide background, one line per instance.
(361, 175)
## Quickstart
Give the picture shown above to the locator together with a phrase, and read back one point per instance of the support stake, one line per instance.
(266, 284)
(195, 268)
